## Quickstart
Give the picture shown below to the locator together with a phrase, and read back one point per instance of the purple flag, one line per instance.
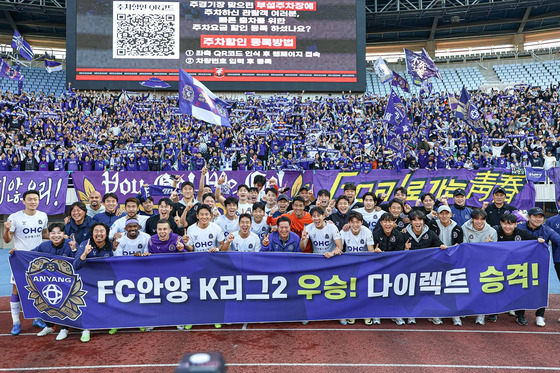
(23, 47)
(395, 114)
(431, 63)
(419, 66)
(7, 72)
(197, 100)
(399, 81)
(462, 104)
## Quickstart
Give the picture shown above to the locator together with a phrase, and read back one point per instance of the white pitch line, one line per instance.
(370, 330)
(436, 366)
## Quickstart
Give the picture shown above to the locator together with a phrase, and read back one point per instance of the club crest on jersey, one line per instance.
(326, 236)
(40, 221)
(139, 245)
(210, 236)
(518, 238)
(362, 241)
(455, 235)
(393, 239)
(55, 289)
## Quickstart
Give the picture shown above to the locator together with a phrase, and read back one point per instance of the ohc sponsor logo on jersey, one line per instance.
(202, 244)
(55, 289)
(32, 230)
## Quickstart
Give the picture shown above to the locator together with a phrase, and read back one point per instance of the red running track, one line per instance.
(291, 347)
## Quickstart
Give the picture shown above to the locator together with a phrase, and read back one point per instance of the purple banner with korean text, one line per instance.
(208, 288)
(129, 184)
(478, 184)
(52, 187)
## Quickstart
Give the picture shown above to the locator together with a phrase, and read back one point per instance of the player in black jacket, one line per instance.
(388, 237)
(508, 231)
(418, 235)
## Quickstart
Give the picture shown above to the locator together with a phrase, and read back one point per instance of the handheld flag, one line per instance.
(462, 104)
(431, 63)
(468, 111)
(7, 72)
(453, 103)
(395, 114)
(51, 65)
(419, 66)
(197, 100)
(399, 81)
(23, 47)
(426, 88)
(382, 70)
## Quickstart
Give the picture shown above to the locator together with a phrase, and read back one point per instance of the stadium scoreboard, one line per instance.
(228, 45)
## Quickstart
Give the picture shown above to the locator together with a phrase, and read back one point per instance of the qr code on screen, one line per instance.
(146, 29)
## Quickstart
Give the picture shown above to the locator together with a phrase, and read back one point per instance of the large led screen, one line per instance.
(228, 45)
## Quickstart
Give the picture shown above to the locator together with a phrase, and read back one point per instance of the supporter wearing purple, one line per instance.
(282, 240)
(165, 241)
(423, 158)
(100, 164)
(72, 162)
(4, 162)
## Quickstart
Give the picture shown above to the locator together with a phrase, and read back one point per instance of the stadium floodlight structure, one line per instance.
(391, 6)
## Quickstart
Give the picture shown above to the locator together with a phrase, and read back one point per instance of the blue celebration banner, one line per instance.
(52, 187)
(208, 288)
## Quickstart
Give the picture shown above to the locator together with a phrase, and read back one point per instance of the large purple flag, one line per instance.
(420, 66)
(197, 100)
(431, 63)
(23, 47)
(395, 114)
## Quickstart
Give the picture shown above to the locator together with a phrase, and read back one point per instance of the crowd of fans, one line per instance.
(261, 218)
(95, 131)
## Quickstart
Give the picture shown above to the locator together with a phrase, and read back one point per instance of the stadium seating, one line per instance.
(534, 73)
(38, 79)
(453, 81)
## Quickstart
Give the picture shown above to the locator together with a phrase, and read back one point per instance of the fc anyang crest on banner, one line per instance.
(55, 289)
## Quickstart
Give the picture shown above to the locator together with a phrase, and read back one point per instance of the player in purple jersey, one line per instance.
(165, 241)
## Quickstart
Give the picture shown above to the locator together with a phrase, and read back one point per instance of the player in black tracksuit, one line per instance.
(508, 231)
(418, 235)
(388, 237)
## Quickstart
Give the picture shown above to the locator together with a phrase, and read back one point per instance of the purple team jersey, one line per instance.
(156, 246)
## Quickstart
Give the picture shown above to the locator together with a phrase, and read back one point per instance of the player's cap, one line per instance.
(284, 197)
(535, 211)
(459, 192)
(304, 187)
(443, 208)
(499, 190)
